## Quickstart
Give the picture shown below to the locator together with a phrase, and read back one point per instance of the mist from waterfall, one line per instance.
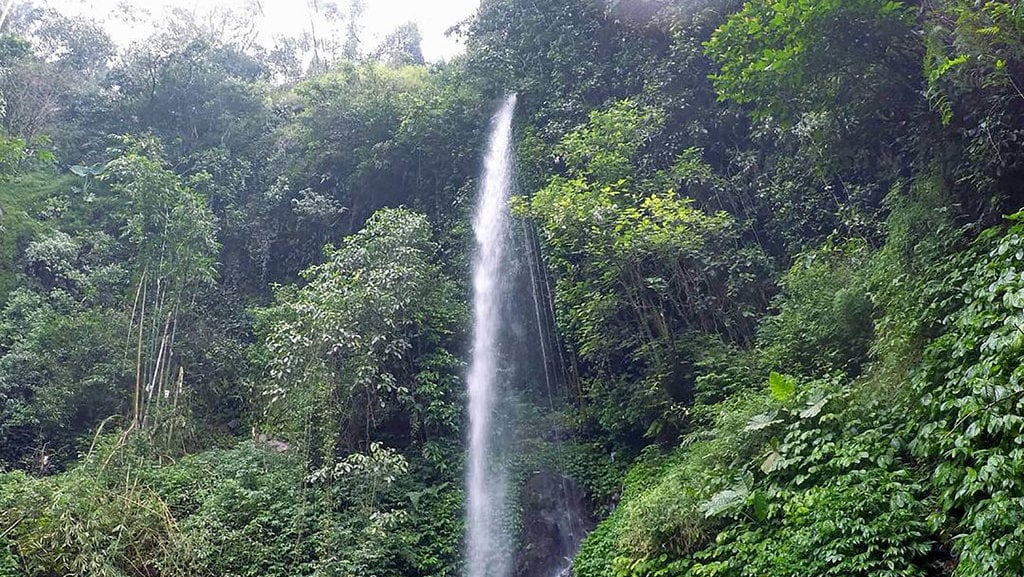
(488, 551)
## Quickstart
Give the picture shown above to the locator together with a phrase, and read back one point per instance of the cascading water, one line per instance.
(516, 359)
(488, 553)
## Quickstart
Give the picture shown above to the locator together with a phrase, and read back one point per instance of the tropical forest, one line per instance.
(619, 288)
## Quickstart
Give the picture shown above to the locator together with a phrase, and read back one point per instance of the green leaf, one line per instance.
(726, 500)
(761, 422)
(84, 171)
(782, 386)
(814, 408)
(759, 501)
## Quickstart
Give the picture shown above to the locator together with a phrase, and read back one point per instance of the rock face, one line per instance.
(556, 517)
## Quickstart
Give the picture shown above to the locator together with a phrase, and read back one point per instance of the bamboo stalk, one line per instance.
(138, 362)
(157, 382)
(177, 394)
(131, 321)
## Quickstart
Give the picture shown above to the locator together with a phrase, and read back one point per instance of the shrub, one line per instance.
(970, 385)
(823, 324)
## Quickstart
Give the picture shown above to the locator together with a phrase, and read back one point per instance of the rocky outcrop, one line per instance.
(556, 517)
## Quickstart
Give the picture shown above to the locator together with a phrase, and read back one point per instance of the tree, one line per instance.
(639, 272)
(172, 234)
(62, 371)
(402, 47)
(31, 95)
(192, 91)
(563, 58)
(52, 84)
(366, 137)
(358, 352)
(975, 82)
(828, 86)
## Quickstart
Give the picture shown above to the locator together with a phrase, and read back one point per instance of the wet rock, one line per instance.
(556, 517)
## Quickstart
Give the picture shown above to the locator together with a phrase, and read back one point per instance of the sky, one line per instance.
(291, 17)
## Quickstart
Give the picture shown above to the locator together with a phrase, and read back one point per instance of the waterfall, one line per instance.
(488, 553)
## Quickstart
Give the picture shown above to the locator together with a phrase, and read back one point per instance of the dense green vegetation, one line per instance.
(785, 245)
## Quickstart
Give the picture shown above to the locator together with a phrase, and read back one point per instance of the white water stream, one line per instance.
(487, 546)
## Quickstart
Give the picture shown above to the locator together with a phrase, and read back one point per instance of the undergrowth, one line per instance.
(895, 452)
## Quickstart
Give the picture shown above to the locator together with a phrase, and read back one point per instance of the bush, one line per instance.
(88, 521)
(866, 523)
(663, 514)
(807, 479)
(972, 393)
(823, 320)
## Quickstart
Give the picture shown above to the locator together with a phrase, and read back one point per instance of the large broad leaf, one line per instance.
(759, 500)
(762, 421)
(726, 500)
(94, 170)
(771, 462)
(782, 386)
(814, 408)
